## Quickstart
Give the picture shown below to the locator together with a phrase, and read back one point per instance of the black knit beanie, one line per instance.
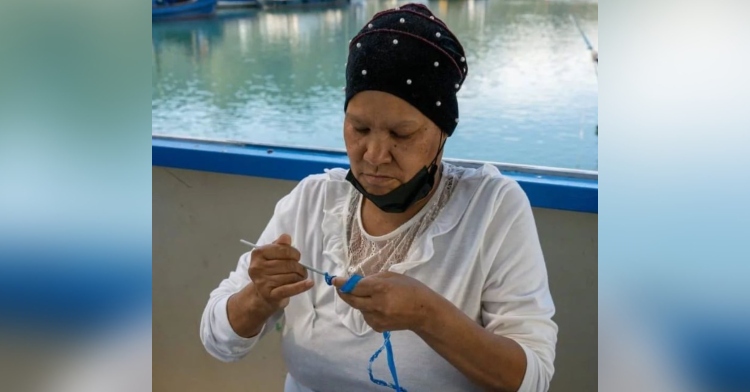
(410, 53)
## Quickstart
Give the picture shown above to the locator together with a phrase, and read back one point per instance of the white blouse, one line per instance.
(481, 252)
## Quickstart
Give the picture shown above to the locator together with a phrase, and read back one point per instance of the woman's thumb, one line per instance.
(284, 239)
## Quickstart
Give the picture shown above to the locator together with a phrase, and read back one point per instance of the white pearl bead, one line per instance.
(432, 17)
(408, 81)
(438, 103)
(456, 121)
(402, 20)
(437, 64)
(369, 26)
(359, 45)
(437, 35)
(457, 86)
(395, 42)
(364, 72)
(464, 69)
(463, 59)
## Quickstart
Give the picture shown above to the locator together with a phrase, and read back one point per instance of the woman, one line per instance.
(450, 256)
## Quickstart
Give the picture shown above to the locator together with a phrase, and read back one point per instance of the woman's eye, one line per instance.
(399, 136)
(362, 130)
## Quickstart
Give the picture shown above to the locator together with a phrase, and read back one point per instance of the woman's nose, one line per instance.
(377, 151)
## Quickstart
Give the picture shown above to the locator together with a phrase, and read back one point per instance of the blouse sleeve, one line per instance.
(216, 334)
(516, 301)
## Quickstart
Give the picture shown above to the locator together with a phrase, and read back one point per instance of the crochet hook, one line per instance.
(317, 271)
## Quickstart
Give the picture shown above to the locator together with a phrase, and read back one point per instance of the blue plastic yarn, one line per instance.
(347, 288)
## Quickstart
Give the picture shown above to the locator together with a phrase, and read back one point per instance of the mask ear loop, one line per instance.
(433, 164)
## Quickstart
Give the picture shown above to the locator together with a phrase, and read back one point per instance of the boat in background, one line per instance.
(238, 3)
(278, 3)
(181, 9)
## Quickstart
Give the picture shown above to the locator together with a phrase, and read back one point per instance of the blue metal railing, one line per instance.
(561, 189)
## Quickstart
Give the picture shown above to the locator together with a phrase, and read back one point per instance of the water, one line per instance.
(276, 77)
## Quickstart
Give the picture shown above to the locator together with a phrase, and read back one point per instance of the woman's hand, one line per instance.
(390, 301)
(276, 272)
(276, 275)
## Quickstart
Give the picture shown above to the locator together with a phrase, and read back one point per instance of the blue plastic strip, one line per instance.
(347, 288)
(391, 365)
(560, 193)
(351, 283)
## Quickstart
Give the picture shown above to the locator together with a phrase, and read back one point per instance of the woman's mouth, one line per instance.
(377, 180)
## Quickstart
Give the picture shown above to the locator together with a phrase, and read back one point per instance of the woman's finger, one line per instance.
(361, 303)
(363, 288)
(339, 281)
(373, 320)
(281, 267)
(284, 279)
(290, 290)
(279, 252)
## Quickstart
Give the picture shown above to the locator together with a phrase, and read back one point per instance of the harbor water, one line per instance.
(275, 76)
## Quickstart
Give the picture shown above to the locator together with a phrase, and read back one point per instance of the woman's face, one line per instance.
(388, 140)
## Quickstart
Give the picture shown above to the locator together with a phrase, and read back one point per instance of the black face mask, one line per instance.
(406, 194)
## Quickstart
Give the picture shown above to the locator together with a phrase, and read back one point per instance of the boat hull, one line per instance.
(281, 3)
(238, 3)
(184, 10)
